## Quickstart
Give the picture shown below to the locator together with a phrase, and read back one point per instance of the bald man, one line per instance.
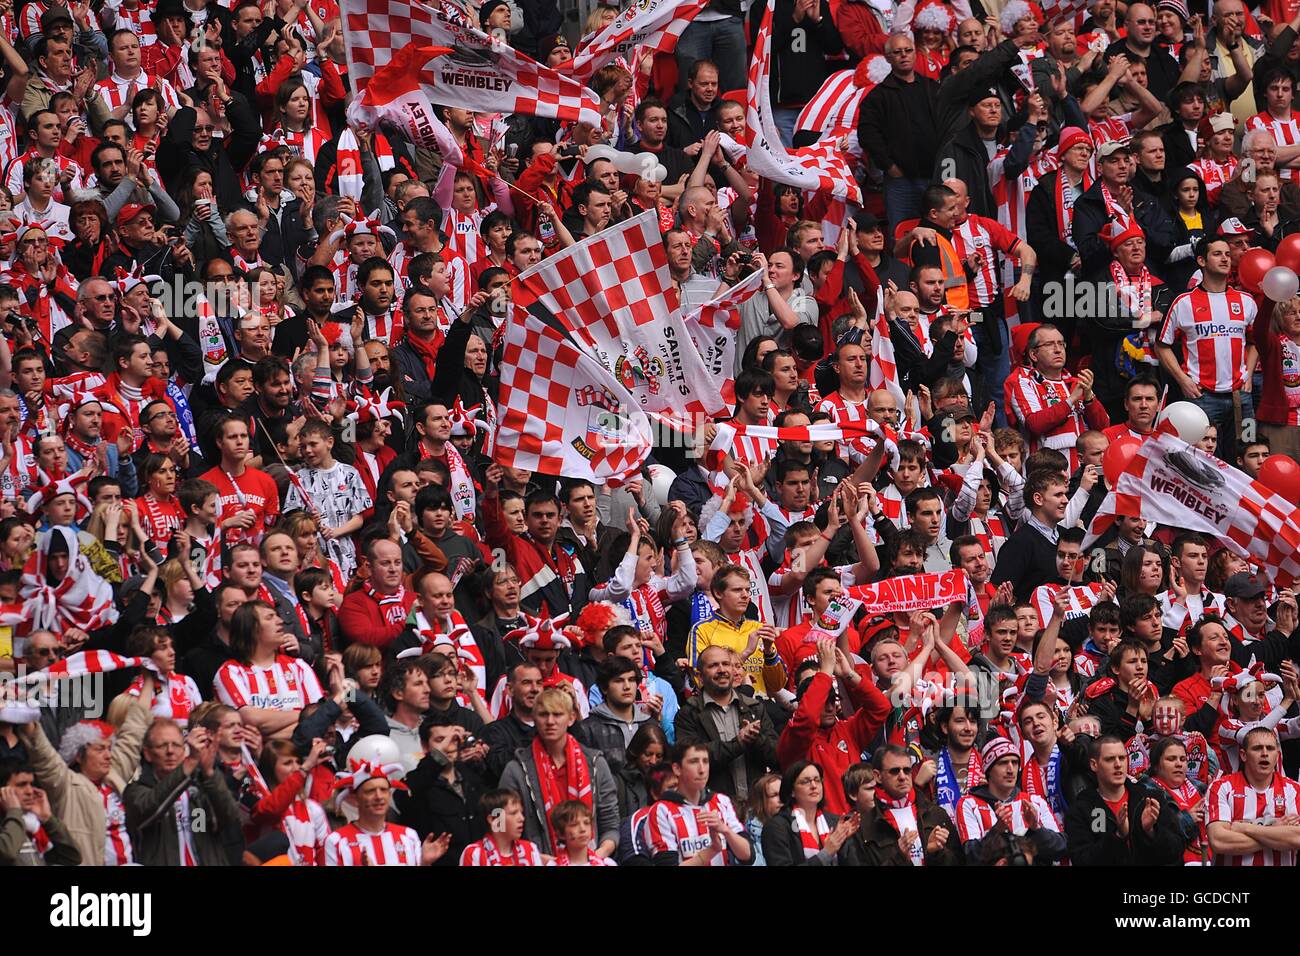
(1162, 69)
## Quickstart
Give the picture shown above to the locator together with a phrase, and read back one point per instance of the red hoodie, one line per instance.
(834, 748)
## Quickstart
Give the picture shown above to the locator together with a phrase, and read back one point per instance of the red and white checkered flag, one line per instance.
(655, 25)
(480, 73)
(560, 412)
(1172, 483)
(712, 327)
(611, 293)
(817, 167)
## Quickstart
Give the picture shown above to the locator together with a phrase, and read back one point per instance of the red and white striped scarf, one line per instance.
(117, 839)
(391, 606)
(456, 632)
(36, 830)
(1065, 210)
(575, 786)
(522, 853)
(812, 837)
(1134, 291)
(247, 265)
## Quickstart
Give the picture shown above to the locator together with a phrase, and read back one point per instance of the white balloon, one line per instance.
(377, 748)
(602, 151)
(630, 163)
(661, 479)
(660, 174)
(1280, 283)
(1188, 421)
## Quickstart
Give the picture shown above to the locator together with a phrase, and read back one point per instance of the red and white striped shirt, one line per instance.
(394, 845)
(981, 235)
(675, 828)
(1286, 132)
(459, 274)
(976, 816)
(288, 684)
(117, 841)
(139, 21)
(1231, 799)
(14, 173)
(117, 91)
(485, 853)
(1214, 328)
(462, 232)
(1029, 393)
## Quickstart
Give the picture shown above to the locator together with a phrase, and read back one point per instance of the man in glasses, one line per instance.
(1162, 69)
(1052, 407)
(141, 247)
(163, 436)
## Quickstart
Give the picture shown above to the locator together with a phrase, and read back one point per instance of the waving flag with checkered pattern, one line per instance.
(884, 366)
(612, 294)
(560, 412)
(712, 327)
(821, 166)
(480, 73)
(1170, 482)
(653, 24)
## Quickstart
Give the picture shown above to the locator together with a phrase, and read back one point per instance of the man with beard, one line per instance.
(271, 401)
(318, 296)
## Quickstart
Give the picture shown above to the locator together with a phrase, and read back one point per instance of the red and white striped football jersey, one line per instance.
(976, 817)
(139, 21)
(1214, 174)
(114, 90)
(1286, 132)
(288, 684)
(462, 232)
(1231, 799)
(675, 827)
(1029, 393)
(1214, 328)
(986, 237)
(395, 845)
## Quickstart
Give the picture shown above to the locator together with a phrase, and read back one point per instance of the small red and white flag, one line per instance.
(653, 25)
(1082, 600)
(884, 368)
(712, 327)
(348, 164)
(819, 167)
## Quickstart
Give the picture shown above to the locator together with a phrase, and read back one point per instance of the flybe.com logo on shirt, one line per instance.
(78, 910)
(275, 701)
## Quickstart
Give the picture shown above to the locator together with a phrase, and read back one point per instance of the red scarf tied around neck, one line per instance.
(575, 786)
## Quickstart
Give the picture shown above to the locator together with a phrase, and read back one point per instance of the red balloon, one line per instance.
(1117, 457)
(1252, 267)
(1281, 474)
(1288, 252)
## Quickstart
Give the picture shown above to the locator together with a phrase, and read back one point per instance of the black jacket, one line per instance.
(604, 732)
(693, 725)
(1092, 832)
(503, 738)
(223, 159)
(782, 846)
(1042, 231)
(284, 235)
(433, 807)
(1090, 216)
(892, 132)
(415, 377)
(1162, 69)
(1027, 559)
(799, 51)
(876, 842)
(1049, 846)
(686, 125)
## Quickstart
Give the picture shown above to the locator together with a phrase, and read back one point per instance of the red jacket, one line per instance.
(1273, 408)
(551, 582)
(836, 748)
(362, 622)
(859, 27)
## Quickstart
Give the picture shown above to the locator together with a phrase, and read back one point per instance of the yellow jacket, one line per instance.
(768, 675)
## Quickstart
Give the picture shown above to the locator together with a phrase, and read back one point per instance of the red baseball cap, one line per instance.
(131, 210)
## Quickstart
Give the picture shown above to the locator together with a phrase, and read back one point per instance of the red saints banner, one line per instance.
(480, 73)
(560, 412)
(821, 166)
(656, 24)
(911, 592)
(712, 327)
(1170, 482)
(610, 293)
